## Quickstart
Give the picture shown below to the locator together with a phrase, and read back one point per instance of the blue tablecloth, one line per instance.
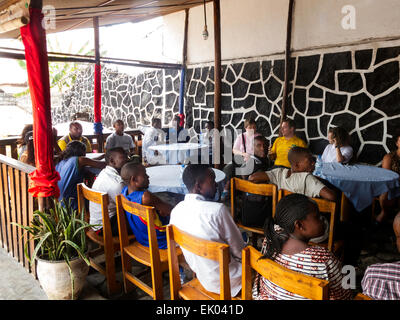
(360, 183)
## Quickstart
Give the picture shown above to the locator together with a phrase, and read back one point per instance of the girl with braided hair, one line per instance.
(297, 220)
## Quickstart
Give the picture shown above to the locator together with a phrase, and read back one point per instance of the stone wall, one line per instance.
(358, 89)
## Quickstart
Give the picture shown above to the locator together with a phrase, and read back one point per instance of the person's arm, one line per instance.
(162, 207)
(237, 146)
(387, 162)
(259, 177)
(83, 162)
(272, 150)
(327, 194)
(230, 234)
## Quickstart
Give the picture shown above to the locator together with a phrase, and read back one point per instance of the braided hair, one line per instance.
(289, 209)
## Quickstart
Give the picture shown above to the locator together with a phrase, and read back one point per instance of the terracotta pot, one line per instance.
(54, 277)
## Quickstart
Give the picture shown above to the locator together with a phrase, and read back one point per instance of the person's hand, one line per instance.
(246, 157)
(269, 149)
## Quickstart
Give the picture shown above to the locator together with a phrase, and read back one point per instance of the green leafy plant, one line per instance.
(59, 234)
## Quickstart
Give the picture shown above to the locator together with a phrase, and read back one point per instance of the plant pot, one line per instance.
(54, 277)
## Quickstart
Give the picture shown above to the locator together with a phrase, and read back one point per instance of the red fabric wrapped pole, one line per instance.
(44, 179)
(97, 93)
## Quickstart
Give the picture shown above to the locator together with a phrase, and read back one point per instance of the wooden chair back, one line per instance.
(204, 248)
(268, 190)
(292, 281)
(148, 214)
(106, 240)
(323, 206)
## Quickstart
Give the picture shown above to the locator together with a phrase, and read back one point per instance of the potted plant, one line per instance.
(60, 250)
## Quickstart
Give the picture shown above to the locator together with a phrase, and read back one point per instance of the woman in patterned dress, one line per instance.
(297, 220)
(391, 161)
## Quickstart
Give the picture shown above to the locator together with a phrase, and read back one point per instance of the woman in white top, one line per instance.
(338, 149)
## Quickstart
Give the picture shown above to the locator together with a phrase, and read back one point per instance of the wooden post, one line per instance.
(97, 59)
(287, 59)
(217, 77)
(185, 35)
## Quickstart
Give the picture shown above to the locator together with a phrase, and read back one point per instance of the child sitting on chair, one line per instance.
(297, 220)
(137, 182)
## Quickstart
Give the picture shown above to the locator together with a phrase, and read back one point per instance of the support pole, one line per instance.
(287, 59)
(98, 127)
(43, 181)
(217, 79)
(183, 72)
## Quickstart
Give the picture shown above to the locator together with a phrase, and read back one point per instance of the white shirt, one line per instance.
(108, 181)
(210, 221)
(125, 141)
(329, 154)
(151, 137)
(298, 182)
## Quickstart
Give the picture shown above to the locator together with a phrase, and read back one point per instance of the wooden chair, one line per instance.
(216, 251)
(108, 245)
(269, 190)
(152, 256)
(292, 281)
(323, 206)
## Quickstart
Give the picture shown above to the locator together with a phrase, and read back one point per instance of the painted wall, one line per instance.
(255, 28)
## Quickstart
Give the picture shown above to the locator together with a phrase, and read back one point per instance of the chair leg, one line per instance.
(112, 285)
(157, 285)
(126, 267)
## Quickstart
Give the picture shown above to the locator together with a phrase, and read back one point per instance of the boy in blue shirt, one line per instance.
(137, 182)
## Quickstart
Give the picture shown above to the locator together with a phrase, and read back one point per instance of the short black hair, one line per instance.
(129, 169)
(194, 173)
(117, 121)
(154, 121)
(262, 139)
(296, 152)
(110, 153)
(290, 122)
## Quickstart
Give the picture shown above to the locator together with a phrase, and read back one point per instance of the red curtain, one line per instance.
(44, 179)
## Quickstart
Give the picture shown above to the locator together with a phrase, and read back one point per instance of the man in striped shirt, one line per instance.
(382, 281)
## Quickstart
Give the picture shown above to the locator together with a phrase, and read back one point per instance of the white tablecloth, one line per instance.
(93, 155)
(168, 179)
(176, 153)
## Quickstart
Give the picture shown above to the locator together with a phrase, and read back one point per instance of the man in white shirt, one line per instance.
(120, 139)
(109, 181)
(152, 136)
(199, 216)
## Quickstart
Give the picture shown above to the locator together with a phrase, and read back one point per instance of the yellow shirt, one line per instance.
(62, 143)
(281, 148)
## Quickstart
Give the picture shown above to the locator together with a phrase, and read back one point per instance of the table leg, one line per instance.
(344, 208)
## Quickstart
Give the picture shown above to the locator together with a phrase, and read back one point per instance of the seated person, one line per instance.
(21, 144)
(152, 136)
(75, 134)
(206, 137)
(110, 182)
(28, 155)
(297, 220)
(281, 146)
(199, 216)
(254, 207)
(382, 281)
(299, 178)
(338, 149)
(137, 181)
(70, 166)
(120, 139)
(56, 147)
(243, 147)
(391, 161)
(177, 134)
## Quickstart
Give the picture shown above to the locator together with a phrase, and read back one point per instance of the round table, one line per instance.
(94, 155)
(178, 152)
(360, 183)
(168, 179)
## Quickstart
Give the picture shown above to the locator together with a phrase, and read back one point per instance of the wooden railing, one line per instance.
(8, 146)
(16, 205)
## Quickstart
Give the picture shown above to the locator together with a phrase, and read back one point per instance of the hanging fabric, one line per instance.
(43, 181)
